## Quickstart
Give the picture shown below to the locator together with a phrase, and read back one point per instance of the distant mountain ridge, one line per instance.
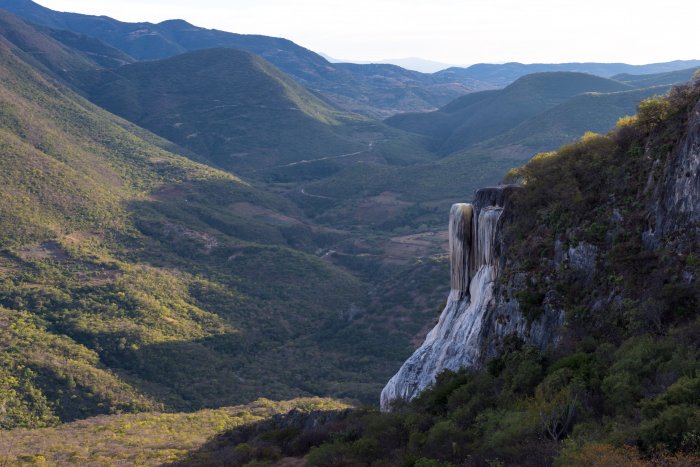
(377, 90)
(421, 65)
(657, 79)
(504, 74)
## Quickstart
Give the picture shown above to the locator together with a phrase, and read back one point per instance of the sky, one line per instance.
(460, 32)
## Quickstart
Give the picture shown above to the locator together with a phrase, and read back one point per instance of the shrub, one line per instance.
(653, 111)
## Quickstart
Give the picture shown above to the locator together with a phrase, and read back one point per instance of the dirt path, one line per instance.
(370, 146)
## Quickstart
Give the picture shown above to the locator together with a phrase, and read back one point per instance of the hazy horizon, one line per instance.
(446, 31)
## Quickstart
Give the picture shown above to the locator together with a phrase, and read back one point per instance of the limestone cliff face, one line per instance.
(481, 309)
(677, 198)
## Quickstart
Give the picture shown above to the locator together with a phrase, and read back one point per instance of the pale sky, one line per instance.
(451, 31)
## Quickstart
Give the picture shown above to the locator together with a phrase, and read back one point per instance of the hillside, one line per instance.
(39, 49)
(132, 278)
(428, 186)
(602, 232)
(537, 113)
(596, 112)
(480, 116)
(376, 90)
(228, 106)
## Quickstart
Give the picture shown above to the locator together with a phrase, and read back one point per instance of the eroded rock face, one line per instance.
(678, 198)
(481, 310)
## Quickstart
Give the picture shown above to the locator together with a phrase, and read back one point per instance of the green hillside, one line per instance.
(228, 106)
(566, 122)
(434, 185)
(475, 118)
(132, 278)
(552, 120)
(538, 112)
(41, 50)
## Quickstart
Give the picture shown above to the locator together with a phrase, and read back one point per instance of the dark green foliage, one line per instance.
(530, 303)
(518, 417)
(672, 419)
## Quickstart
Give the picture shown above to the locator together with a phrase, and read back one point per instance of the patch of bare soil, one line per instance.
(168, 193)
(47, 250)
(380, 208)
(179, 232)
(410, 247)
(290, 462)
(262, 214)
(99, 277)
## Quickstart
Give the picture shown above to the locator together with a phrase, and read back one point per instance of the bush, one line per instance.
(653, 111)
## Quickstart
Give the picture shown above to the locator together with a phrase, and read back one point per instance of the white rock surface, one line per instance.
(456, 340)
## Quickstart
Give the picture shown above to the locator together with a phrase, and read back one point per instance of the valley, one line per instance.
(203, 231)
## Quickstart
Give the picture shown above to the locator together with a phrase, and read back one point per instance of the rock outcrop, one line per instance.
(678, 194)
(481, 309)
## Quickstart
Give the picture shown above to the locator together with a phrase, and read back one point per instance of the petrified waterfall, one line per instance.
(456, 340)
(460, 238)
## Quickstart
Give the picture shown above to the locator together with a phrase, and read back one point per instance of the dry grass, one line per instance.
(138, 439)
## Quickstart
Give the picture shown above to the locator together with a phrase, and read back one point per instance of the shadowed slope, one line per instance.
(477, 117)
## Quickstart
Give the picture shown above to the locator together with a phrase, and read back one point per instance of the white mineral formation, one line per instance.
(454, 342)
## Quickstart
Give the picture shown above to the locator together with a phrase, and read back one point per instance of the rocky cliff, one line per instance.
(481, 310)
(676, 202)
(605, 233)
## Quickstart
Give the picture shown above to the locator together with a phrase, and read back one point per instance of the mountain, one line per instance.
(503, 74)
(132, 278)
(601, 234)
(480, 116)
(228, 106)
(428, 186)
(373, 90)
(62, 55)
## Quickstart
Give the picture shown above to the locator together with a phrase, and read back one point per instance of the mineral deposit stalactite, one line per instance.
(460, 237)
